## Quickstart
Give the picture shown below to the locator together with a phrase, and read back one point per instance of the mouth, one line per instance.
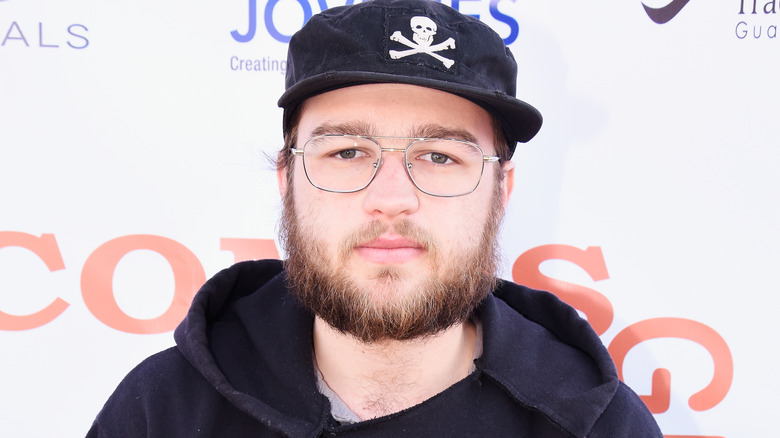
(390, 249)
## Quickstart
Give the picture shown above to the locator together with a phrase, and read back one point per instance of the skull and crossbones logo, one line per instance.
(424, 29)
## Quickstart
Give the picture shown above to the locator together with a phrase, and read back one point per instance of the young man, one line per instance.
(386, 319)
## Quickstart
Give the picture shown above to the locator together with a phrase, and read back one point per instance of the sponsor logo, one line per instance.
(758, 20)
(29, 35)
(264, 64)
(273, 13)
(37, 33)
(494, 14)
(98, 293)
(600, 314)
(666, 13)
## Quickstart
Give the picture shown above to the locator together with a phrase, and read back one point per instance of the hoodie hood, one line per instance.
(252, 341)
(248, 354)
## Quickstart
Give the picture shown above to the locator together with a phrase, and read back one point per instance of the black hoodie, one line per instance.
(242, 367)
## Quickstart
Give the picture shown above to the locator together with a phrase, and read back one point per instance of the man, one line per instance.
(386, 319)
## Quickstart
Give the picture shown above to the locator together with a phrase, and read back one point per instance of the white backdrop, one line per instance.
(132, 142)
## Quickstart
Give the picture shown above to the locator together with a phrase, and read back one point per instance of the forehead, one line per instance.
(396, 110)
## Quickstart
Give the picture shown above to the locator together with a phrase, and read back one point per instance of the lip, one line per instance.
(389, 250)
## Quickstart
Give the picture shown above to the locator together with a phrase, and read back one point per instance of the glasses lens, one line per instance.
(445, 167)
(340, 163)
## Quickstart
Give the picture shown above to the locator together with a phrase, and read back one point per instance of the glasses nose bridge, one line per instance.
(403, 143)
(402, 148)
(383, 150)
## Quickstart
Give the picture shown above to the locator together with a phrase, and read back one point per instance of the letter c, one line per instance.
(46, 248)
(97, 282)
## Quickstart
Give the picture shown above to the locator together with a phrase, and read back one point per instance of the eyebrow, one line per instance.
(429, 130)
(348, 128)
(437, 131)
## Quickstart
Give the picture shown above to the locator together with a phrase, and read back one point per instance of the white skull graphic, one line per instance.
(424, 29)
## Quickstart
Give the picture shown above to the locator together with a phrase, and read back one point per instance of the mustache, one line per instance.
(404, 228)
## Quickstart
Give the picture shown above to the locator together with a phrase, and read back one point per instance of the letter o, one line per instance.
(269, 19)
(98, 291)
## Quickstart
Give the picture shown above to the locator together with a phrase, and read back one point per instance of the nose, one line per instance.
(392, 192)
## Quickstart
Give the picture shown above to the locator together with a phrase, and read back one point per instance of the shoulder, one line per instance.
(527, 311)
(626, 416)
(546, 355)
(149, 391)
(157, 374)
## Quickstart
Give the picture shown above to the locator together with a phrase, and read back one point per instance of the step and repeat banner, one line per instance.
(134, 144)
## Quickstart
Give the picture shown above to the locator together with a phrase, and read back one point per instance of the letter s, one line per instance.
(70, 31)
(514, 29)
(703, 335)
(46, 248)
(596, 306)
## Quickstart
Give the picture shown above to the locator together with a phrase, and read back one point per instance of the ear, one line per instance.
(281, 179)
(508, 183)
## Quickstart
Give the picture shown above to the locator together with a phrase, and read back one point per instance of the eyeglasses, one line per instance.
(344, 163)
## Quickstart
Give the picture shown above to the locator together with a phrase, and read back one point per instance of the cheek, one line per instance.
(325, 217)
(305, 200)
(458, 223)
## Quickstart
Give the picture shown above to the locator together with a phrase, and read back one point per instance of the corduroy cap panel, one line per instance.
(417, 42)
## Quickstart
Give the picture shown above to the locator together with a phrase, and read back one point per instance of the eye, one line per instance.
(348, 154)
(350, 151)
(437, 158)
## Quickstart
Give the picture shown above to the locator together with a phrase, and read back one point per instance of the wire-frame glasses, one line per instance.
(345, 163)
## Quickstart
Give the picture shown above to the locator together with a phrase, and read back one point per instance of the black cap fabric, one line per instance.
(417, 42)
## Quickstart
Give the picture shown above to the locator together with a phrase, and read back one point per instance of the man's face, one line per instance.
(390, 262)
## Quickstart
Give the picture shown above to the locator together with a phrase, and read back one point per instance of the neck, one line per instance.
(381, 378)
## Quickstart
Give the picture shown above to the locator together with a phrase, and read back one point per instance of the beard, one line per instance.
(378, 309)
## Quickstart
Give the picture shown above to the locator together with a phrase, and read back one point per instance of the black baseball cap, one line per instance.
(417, 42)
